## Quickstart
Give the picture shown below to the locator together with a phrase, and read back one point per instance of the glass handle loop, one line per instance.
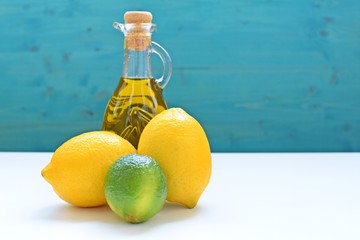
(167, 64)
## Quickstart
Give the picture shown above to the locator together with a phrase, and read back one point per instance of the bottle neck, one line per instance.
(137, 49)
(136, 64)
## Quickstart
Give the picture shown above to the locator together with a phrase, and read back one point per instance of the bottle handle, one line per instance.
(167, 64)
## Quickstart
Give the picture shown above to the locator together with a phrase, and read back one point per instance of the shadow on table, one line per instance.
(103, 215)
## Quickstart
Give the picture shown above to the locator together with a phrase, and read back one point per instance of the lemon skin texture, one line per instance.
(179, 144)
(78, 167)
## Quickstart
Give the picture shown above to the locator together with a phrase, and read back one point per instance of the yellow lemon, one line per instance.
(78, 167)
(180, 146)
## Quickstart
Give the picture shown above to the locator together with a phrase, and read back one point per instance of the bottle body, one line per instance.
(133, 104)
(138, 96)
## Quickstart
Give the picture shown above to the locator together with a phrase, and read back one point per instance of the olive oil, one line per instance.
(134, 103)
(138, 96)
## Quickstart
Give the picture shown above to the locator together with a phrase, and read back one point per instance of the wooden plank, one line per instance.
(269, 75)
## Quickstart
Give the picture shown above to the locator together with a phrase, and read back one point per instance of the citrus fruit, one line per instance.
(135, 187)
(180, 146)
(78, 167)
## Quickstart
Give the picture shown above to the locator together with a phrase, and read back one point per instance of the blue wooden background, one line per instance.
(259, 75)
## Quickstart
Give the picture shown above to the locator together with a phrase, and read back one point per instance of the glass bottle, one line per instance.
(138, 96)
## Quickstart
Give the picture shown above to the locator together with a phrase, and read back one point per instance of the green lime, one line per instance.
(135, 187)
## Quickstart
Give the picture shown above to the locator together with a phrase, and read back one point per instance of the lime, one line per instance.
(135, 187)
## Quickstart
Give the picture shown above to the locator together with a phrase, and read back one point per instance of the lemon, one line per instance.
(78, 167)
(180, 146)
(135, 188)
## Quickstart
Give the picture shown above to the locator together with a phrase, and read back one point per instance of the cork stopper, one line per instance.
(137, 17)
(138, 38)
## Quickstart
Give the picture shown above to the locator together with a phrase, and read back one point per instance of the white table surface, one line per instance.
(250, 196)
